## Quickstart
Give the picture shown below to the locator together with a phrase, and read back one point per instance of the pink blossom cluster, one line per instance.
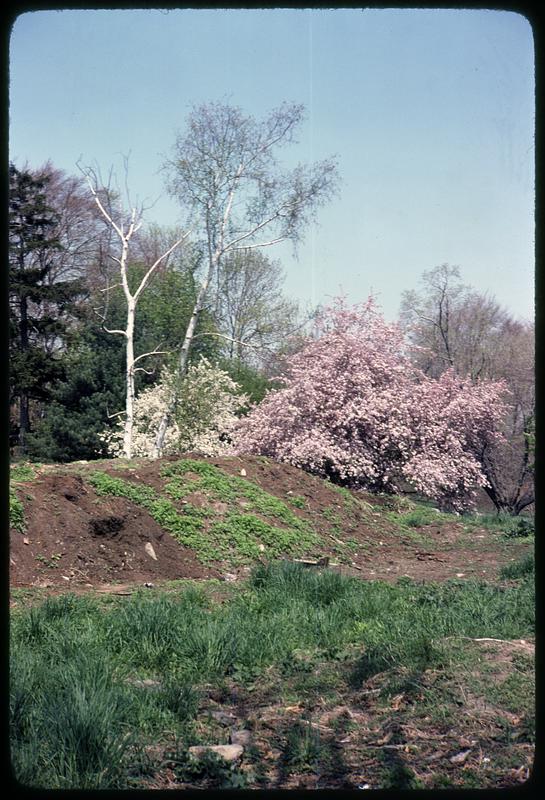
(354, 408)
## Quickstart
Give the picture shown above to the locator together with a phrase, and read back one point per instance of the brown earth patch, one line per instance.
(75, 537)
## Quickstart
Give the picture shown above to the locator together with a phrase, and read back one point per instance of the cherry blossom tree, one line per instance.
(459, 328)
(355, 409)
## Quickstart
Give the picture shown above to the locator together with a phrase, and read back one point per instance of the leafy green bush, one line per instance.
(16, 512)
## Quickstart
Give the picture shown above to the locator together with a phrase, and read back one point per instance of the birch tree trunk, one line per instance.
(133, 223)
(183, 362)
(224, 170)
(129, 401)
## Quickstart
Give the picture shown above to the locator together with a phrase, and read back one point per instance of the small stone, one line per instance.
(25, 540)
(242, 737)
(229, 576)
(229, 752)
(148, 547)
(460, 758)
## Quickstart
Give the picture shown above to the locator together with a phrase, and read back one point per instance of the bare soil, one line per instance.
(75, 538)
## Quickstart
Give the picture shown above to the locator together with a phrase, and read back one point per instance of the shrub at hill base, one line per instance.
(355, 409)
(207, 403)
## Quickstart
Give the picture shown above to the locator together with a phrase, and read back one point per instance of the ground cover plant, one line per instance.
(328, 680)
(237, 535)
(19, 474)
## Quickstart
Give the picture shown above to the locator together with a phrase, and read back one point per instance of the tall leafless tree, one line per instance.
(225, 173)
(454, 326)
(125, 225)
(252, 308)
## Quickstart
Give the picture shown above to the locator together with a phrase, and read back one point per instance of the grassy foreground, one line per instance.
(111, 692)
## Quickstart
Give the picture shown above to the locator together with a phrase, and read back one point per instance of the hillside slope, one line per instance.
(111, 522)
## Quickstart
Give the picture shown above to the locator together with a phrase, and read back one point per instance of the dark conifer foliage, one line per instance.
(40, 308)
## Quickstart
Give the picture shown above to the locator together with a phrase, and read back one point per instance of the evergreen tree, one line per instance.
(83, 403)
(88, 398)
(39, 307)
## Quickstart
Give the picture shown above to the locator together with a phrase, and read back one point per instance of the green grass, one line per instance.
(22, 472)
(418, 514)
(16, 512)
(521, 526)
(519, 569)
(81, 716)
(407, 515)
(238, 537)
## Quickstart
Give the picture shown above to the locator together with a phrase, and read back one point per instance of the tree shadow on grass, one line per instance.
(308, 750)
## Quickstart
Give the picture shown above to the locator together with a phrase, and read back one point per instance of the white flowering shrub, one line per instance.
(207, 401)
(206, 414)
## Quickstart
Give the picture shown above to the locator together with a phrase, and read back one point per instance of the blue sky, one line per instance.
(430, 112)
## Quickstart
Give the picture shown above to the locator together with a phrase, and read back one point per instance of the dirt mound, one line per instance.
(75, 536)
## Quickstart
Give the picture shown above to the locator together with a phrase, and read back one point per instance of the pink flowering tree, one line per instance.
(353, 408)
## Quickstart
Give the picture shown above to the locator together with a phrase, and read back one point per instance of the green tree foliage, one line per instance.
(252, 381)
(92, 388)
(40, 307)
(84, 402)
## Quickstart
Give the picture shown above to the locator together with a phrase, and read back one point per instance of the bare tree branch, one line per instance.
(134, 222)
(225, 172)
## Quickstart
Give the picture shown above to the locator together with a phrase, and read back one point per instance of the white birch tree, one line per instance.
(225, 172)
(125, 227)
